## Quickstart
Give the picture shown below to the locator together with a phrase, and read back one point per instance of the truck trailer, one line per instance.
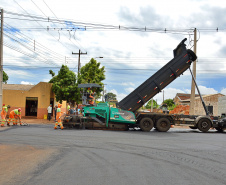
(127, 115)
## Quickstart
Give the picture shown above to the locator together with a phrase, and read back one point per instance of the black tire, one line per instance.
(204, 125)
(220, 129)
(163, 125)
(146, 124)
(192, 54)
(193, 127)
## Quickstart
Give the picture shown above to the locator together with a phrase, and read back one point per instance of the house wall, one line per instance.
(176, 100)
(221, 105)
(16, 99)
(209, 100)
(43, 91)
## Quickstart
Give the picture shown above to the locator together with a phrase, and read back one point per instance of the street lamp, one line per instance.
(98, 57)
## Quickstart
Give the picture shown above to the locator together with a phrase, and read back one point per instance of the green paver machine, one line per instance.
(99, 116)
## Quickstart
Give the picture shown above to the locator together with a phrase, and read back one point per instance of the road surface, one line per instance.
(38, 154)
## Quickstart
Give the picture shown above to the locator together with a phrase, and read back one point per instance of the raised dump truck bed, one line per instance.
(181, 62)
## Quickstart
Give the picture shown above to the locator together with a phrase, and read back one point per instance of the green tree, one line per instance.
(148, 106)
(65, 86)
(5, 77)
(92, 73)
(169, 102)
(110, 96)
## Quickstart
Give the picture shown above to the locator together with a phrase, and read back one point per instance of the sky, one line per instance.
(132, 39)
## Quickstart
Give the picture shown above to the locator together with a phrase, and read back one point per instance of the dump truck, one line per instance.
(127, 115)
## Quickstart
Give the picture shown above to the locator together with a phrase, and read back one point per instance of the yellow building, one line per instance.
(32, 99)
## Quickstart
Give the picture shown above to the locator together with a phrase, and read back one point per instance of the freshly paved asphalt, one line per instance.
(96, 157)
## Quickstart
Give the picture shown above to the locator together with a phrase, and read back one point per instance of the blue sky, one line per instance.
(42, 34)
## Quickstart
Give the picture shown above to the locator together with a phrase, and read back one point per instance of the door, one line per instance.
(31, 106)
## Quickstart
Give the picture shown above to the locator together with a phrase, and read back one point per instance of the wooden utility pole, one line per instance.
(152, 105)
(1, 60)
(192, 99)
(162, 96)
(103, 93)
(79, 53)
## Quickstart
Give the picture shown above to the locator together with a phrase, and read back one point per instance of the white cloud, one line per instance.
(129, 89)
(26, 83)
(127, 84)
(120, 96)
(206, 90)
(203, 90)
(223, 91)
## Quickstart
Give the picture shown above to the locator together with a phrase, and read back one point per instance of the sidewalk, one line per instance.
(31, 120)
(38, 121)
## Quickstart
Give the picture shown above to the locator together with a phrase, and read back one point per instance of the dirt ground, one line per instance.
(17, 160)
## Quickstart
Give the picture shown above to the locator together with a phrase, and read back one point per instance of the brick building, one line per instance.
(182, 99)
(210, 100)
(222, 106)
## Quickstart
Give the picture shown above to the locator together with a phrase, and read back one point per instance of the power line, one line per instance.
(45, 59)
(58, 19)
(38, 47)
(87, 26)
(22, 52)
(40, 24)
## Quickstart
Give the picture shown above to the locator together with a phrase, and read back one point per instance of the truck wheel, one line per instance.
(204, 125)
(163, 125)
(146, 124)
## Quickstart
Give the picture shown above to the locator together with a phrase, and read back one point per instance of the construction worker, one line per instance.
(91, 99)
(58, 118)
(68, 109)
(3, 114)
(14, 115)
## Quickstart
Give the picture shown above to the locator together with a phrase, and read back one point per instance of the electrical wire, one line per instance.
(40, 24)
(30, 40)
(86, 25)
(42, 57)
(58, 19)
(39, 49)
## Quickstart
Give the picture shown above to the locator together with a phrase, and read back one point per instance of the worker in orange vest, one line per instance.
(3, 114)
(14, 116)
(91, 98)
(58, 118)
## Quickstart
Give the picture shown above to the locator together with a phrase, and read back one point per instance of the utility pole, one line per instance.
(192, 99)
(152, 105)
(1, 60)
(103, 93)
(79, 53)
(162, 96)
